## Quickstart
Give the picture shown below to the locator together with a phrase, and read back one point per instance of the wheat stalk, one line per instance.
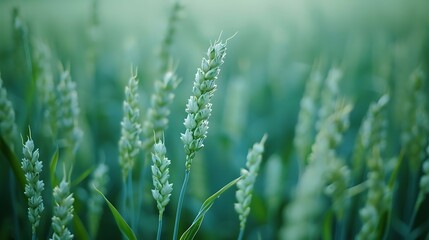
(199, 111)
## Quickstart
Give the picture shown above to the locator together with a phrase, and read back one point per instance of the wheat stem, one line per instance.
(180, 204)
(158, 234)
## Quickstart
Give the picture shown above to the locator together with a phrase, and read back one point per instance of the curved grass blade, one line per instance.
(82, 177)
(327, 226)
(122, 225)
(13, 162)
(79, 229)
(190, 233)
(53, 167)
(384, 223)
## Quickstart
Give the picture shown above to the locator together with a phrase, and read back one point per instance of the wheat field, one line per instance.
(214, 119)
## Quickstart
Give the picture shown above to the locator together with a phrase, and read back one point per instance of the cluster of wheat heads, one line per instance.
(337, 196)
(198, 109)
(58, 99)
(356, 196)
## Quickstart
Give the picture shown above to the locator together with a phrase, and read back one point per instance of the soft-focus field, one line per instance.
(340, 160)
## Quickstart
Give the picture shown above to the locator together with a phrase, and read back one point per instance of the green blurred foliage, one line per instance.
(377, 44)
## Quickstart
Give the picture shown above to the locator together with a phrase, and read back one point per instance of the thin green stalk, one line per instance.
(127, 201)
(124, 199)
(339, 229)
(419, 231)
(12, 185)
(241, 234)
(180, 203)
(413, 218)
(143, 174)
(355, 190)
(130, 198)
(392, 181)
(419, 202)
(158, 235)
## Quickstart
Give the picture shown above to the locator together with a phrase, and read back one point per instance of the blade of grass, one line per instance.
(122, 225)
(180, 204)
(79, 229)
(82, 177)
(327, 226)
(190, 233)
(13, 161)
(53, 167)
(395, 172)
(386, 218)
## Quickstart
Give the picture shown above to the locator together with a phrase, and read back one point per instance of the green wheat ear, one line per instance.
(63, 211)
(245, 185)
(379, 194)
(199, 109)
(69, 131)
(164, 51)
(324, 171)
(417, 119)
(32, 167)
(378, 198)
(100, 179)
(372, 131)
(304, 130)
(131, 128)
(157, 115)
(45, 84)
(424, 180)
(337, 172)
(160, 176)
(301, 214)
(8, 127)
(199, 105)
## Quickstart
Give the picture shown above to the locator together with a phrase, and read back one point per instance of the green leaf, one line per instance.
(122, 225)
(395, 172)
(327, 226)
(82, 176)
(53, 167)
(13, 162)
(80, 231)
(190, 233)
(384, 223)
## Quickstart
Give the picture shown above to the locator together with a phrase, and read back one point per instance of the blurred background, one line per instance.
(376, 44)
